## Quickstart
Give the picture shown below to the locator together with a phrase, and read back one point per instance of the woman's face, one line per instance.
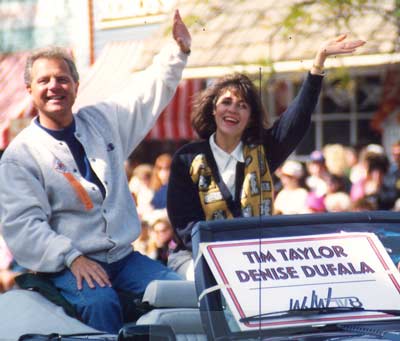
(289, 182)
(162, 233)
(232, 114)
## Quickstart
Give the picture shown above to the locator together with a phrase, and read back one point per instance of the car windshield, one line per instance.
(295, 275)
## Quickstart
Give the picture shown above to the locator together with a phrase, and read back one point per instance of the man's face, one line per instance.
(53, 92)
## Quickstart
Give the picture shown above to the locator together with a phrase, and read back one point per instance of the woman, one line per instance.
(219, 177)
(163, 237)
(292, 198)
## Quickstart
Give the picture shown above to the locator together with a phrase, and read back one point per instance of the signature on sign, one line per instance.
(327, 301)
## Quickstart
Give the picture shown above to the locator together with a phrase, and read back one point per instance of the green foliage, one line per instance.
(334, 12)
(297, 14)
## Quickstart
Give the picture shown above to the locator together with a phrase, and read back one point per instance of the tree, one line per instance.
(306, 16)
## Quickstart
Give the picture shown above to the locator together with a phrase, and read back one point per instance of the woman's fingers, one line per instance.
(354, 44)
(340, 38)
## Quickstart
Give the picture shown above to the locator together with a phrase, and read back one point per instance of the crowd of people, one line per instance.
(337, 178)
(340, 179)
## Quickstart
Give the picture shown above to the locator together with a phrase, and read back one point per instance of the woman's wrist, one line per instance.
(318, 64)
(317, 70)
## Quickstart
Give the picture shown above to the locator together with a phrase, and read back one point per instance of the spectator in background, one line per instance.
(157, 238)
(162, 234)
(159, 181)
(351, 156)
(335, 158)
(336, 184)
(377, 165)
(316, 181)
(145, 244)
(390, 190)
(338, 202)
(314, 203)
(139, 185)
(359, 171)
(337, 162)
(292, 197)
(336, 190)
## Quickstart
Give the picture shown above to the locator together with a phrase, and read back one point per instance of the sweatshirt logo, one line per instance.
(59, 166)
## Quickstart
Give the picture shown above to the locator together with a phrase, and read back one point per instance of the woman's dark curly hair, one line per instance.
(203, 120)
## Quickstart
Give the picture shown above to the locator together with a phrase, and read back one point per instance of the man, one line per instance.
(66, 209)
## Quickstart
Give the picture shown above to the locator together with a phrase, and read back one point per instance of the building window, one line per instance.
(343, 113)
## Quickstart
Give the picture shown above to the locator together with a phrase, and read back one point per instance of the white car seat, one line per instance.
(175, 305)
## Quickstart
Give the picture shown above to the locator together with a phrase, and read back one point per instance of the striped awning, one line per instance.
(15, 102)
(174, 122)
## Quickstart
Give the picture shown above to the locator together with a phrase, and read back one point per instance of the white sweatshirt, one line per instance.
(46, 223)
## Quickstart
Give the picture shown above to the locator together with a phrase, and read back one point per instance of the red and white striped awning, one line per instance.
(15, 102)
(174, 122)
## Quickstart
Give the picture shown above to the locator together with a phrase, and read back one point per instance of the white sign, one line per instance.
(294, 273)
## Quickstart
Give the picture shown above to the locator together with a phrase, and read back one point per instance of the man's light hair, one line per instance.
(50, 52)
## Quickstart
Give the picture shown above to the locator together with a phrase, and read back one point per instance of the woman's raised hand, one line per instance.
(340, 46)
(337, 46)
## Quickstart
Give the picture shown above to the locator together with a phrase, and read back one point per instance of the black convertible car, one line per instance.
(330, 276)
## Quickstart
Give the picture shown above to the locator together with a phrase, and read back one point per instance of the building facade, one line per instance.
(228, 36)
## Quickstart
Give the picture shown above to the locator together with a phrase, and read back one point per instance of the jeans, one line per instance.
(99, 307)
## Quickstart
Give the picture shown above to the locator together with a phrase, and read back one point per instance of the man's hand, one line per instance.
(181, 33)
(85, 269)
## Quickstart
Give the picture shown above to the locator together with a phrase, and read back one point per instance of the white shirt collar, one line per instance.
(221, 157)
